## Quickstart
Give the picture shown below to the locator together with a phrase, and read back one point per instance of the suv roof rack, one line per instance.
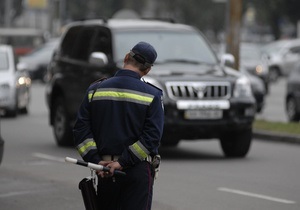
(170, 20)
(105, 20)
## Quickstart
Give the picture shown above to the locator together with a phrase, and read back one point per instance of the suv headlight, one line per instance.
(242, 88)
(261, 69)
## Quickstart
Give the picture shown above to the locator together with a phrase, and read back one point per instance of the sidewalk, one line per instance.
(273, 136)
(274, 111)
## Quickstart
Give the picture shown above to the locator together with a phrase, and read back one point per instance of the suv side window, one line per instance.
(69, 38)
(295, 50)
(76, 44)
(103, 42)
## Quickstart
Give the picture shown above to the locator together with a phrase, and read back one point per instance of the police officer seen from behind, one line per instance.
(120, 125)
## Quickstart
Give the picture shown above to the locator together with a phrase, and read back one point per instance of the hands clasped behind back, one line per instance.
(113, 165)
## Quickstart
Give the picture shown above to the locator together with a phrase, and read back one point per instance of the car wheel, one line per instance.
(14, 111)
(236, 144)
(24, 110)
(61, 126)
(11, 113)
(259, 108)
(274, 74)
(291, 110)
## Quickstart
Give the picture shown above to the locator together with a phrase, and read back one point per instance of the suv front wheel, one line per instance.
(236, 144)
(61, 127)
(170, 140)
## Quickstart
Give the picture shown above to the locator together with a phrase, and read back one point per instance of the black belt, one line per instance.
(110, 157)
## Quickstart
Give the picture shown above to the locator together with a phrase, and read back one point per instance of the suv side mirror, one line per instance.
(227, 60)
(98, 59)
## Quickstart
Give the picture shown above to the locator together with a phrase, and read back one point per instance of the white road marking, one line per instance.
(48, 157)
(256, 195)
(10, 194)
(13, 194)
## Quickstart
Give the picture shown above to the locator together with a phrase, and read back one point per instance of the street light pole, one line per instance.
(234, 13)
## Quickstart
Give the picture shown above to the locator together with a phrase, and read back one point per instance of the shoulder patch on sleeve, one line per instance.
(98, 80)
(153, 86)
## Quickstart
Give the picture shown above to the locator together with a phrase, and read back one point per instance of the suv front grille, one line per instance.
(198, 90)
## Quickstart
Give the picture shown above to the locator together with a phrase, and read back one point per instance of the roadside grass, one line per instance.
(279, 127)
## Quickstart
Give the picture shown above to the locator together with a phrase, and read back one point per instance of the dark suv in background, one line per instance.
(1, 141)
(292, 97)
(202, 98)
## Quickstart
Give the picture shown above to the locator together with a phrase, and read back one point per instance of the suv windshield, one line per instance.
(171, 46)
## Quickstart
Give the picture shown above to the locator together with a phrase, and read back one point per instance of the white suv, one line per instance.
(14, 84)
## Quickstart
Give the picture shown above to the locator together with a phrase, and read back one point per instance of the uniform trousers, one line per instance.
(131, 192)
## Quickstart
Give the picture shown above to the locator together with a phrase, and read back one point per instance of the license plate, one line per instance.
(203, 114)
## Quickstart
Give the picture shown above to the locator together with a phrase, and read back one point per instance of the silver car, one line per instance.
(14, 84)
(36, 62)
(282, 56)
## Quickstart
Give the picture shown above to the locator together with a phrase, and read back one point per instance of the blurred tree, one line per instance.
(17, 9)
(269, 12)
(210, 16)
(88, 9)
(205, 14)
(292, 9)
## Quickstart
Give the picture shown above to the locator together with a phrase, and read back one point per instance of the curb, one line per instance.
(280, 137)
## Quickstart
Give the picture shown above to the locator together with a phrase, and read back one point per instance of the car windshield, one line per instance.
(274, 47)
(3, 61)
(171, 47)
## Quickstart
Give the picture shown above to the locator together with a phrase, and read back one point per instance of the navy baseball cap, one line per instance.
(144, 53)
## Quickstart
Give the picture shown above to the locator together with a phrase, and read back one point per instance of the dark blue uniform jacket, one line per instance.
(122, 116)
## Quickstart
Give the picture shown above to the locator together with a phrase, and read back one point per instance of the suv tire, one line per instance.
(291, 109)
(14, 111)
(24, 110)
(61, 127)
(169, 140)
(236, 144)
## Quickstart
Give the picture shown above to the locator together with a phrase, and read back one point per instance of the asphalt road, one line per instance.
(194, 176)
